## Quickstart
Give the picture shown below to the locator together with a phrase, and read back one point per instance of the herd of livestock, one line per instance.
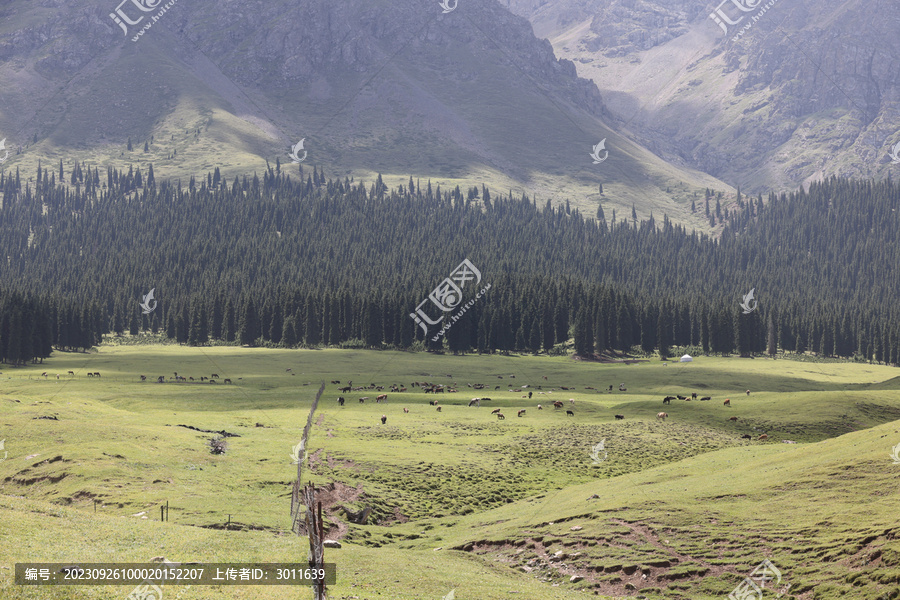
(434, 388)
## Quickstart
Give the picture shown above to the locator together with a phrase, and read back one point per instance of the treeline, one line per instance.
(303, 259)
(31, 326)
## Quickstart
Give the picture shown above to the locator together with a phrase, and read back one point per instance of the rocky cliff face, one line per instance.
(807, 91)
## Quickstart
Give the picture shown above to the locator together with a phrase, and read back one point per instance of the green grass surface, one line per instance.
(460, 499)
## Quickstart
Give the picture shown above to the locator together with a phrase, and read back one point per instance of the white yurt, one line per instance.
(687, 358)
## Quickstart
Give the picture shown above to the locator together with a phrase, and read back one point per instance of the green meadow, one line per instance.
(680, 508)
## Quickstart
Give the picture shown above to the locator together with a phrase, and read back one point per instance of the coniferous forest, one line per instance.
(305, 260)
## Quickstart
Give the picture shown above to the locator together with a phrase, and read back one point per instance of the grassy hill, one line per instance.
(685, 502)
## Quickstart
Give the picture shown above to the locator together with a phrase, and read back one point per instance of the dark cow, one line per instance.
(529, 395)
(485, 399)
(143, 377)
(727, 402)
(680, 397)
(694, 396)
(383, 419)
(704, 398)
(500, 416)
(570, 413)
(733, 419)
(160, 379)
(363, 399)
(619, 417)
(557, 404)
(345, 389)
(746, 436)
(668, 400)
(438, 409)
(341, 400)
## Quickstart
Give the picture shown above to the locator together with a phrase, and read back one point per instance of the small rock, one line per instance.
(438, 548)
(630, 586)
(576, 528)
(575, 578)
(331, 544)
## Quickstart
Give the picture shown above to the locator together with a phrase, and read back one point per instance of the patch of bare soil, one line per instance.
(606, 577)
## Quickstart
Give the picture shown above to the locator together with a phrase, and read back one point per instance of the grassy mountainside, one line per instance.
(396, 88)
(686, 502)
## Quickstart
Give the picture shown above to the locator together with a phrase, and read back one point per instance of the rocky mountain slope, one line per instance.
(793, 92)
(401, 88)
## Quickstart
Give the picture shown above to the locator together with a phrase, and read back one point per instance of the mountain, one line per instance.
(794, 92)
(397, 88)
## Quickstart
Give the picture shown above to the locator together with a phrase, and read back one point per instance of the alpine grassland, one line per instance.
(458, 499)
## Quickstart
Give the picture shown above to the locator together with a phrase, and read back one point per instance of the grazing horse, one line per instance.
(90, 374)
(72, 373)
(44, 374)
(143, 378)
(727, 402)
(570, 413)
(214, 375)
(438, 409)
(667, 400)
(383, 419)
(496, 411)
(520, 413)
(557, 404)
(663, 416)
(226, 381)
(733, 419)
(619, 417)
(363, 399)
(500, 416)
(475, 402)
(161, 379)
(345, 389)
(763, 437)
(341, 400)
